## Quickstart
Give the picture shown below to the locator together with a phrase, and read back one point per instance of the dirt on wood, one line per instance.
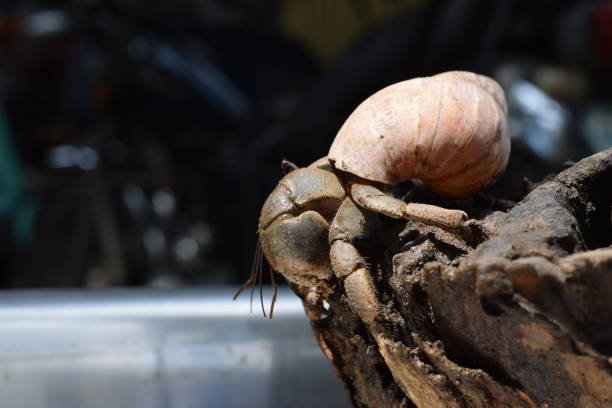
(516, 311)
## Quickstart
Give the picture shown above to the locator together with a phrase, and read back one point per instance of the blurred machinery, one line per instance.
(139, 140)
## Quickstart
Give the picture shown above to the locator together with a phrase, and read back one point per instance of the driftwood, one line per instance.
(515, 312)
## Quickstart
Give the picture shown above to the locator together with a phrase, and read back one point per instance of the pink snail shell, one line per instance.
(448, 131)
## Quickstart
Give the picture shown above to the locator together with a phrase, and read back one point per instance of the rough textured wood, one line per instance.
(515, 312)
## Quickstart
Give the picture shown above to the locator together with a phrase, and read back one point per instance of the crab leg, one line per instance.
(350, 222)
(348, 264)
(372, 198)
(352, 270)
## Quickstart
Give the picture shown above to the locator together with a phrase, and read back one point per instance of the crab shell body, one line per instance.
(449, 132)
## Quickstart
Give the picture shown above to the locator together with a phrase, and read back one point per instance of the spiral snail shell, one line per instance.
(449, 132)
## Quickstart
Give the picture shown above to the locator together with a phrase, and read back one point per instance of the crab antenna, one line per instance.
(274, 292)
(257, 278)
(260, 279)
(252, 290)
(255, 271)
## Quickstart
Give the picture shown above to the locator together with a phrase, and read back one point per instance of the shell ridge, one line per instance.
(474, 131)
(409, 165)
(476, 159)
(347, 146)
(456, 151)
(437, 125)
(418, 149)
(379, 133)
(396, 175)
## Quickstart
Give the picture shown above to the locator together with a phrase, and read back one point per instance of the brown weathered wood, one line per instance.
(517, 312)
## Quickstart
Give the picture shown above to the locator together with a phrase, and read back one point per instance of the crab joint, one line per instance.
(431, 214)
(351, 269)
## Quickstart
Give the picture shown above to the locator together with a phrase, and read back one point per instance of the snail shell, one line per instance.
(448, 131)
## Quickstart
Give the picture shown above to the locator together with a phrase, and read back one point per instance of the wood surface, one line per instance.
(516, 311)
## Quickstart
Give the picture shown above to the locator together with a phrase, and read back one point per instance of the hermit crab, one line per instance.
(448, 133)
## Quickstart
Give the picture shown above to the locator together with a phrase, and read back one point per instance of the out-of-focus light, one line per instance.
(202, 234)
(64, 156)
(186, 249)
(87, 158)
(597, 127)
(61, 156)
(46, 22)
(163, 202)
(135, 199)
(154, 241)
(544, 120)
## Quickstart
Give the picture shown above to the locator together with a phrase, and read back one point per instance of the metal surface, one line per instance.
(158, 349)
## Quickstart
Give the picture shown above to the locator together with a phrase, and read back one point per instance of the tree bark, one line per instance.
(514, 312)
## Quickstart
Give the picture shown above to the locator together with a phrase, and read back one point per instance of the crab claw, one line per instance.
(297, 247)
(294, 224)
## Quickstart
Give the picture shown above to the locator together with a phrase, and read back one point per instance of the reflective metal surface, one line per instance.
(158, 349)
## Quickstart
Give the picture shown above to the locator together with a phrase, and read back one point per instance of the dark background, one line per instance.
(139, 139)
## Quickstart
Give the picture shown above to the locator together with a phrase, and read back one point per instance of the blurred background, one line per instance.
(139, 139)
